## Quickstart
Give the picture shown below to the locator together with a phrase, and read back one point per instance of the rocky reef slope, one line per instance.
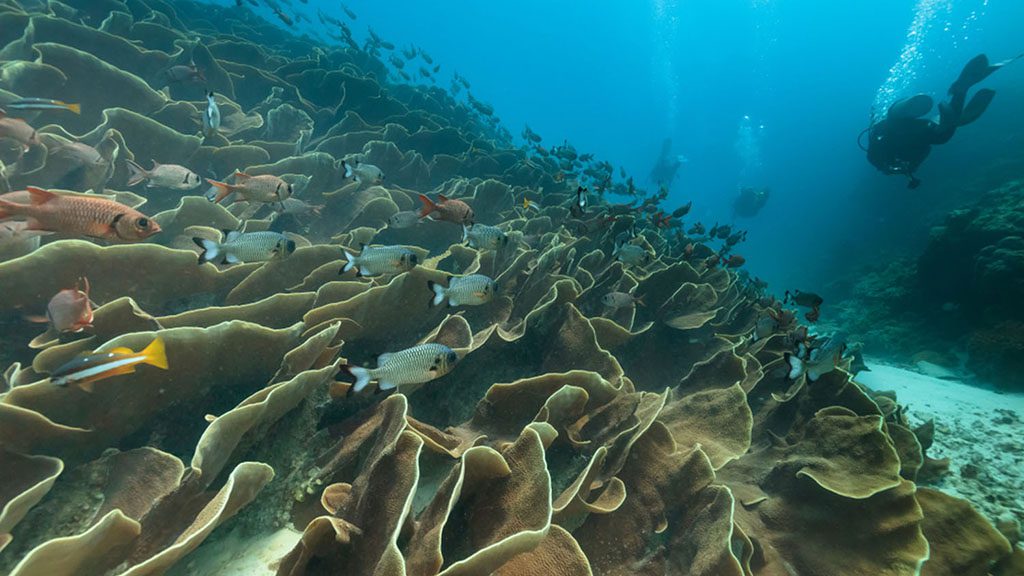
(569, 439)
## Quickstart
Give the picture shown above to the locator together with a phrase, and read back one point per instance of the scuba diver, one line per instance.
(749, 201)
(898, 143)
(667, 165)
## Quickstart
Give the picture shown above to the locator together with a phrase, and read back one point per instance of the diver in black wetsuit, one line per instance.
(898, 143)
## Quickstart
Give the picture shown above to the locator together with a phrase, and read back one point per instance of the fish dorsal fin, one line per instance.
(40, 196)
(383, 358)
(912, 107)
(156, 165)
(121, 350)
(241, 176)
(231, 235)
(442, 197)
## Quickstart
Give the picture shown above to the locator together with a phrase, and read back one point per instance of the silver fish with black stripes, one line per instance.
(239, 247)
(415, 365)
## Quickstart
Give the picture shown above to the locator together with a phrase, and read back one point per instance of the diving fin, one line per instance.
(975, 71)
(912, 107)
(976, 107)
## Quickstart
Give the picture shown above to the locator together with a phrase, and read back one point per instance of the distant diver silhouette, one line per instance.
(898, 143)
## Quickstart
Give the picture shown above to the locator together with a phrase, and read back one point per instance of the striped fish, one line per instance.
(84, 371)
(414, 365)
(484, 237)
(377, 260)
(40, 104)
(245, 247)
(471, 290)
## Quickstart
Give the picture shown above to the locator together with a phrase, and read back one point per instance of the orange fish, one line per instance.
(263, 188)
(69, 311)
(446, 209)
(79, 215)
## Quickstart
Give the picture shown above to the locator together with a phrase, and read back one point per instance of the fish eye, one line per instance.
(143, 223)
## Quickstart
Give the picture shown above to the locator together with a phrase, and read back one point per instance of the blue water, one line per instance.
(617, 77)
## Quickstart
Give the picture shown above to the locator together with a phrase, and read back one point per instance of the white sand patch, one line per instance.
(240, 555)
(979, 429)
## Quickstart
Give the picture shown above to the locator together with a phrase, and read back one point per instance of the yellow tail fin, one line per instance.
(76, 108)
(156, 354)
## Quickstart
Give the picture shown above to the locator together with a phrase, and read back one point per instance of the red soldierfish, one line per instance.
(80, 215)
(446, 209)
(69, 311)
(18, 130)
(86, 370)
(263, 188)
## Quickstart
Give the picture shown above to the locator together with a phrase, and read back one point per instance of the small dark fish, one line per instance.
(185, 73)
(736, 238)
(805, 299)
(734, 261)
(682, 210)
(348, 11)
(579, 206)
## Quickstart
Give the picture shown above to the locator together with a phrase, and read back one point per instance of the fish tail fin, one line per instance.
(362, 376)
(639, 301)
(8, 209)
(210, 248)
(439, 292)
(350, 261)
(76, 108)
(428, 206)
(223, 190)
(156, 354)
(348, 169)
(136, 173)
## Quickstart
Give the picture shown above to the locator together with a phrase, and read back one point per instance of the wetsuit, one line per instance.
(900, 142)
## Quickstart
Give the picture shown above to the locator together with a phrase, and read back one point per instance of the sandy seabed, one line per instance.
(978, 428)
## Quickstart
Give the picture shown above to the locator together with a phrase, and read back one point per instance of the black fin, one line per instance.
(976, 106)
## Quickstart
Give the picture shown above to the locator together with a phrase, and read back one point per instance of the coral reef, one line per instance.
(569, 439)
(961, 298)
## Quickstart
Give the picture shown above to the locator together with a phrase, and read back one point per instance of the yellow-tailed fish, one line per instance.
(84, 371)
